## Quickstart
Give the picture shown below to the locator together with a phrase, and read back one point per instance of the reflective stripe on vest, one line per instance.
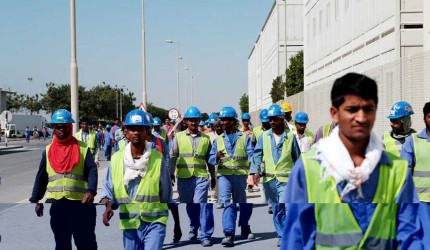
(71, 185)
(390, 144)
(326, 130)
(421, 171)
(282, 168)
(187, 163)
(146, 204)
(159, 145)
(346, 233)
(238, 164)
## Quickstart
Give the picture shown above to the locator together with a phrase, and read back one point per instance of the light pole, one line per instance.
(177, 68)
(186, 83)
(144, 95)
(73, 68)
(120, 101)
(195, 89)
(116, 104)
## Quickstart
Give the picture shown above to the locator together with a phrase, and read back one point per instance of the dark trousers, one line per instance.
(73, 219)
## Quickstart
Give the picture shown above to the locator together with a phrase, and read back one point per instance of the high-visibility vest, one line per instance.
(122, 144)
(236, 165)
(310, 135)
(187, 163)
(163, 134)
(281, 170)
(390, 144)
(326, 130)
(257, 132)
(421, 171)
(71, 185)
(91, 143)
(145, 206)
(345, 233)
(159, 145)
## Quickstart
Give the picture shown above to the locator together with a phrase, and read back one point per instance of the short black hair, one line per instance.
(426, 109)
(84, 119)
(353, 84)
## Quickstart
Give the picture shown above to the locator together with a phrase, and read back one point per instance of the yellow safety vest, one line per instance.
(257, 132)
(187, 164)
(91, 143)
(236, 165)
(390, 144)
(344, 232)
(71, 185)
(326, 130)
(421, 171)
(281, 170)
(145, 206)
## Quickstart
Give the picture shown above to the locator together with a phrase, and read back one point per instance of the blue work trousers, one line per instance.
(275, 195)
(234, 186)
(193, 189)
(148, 236)
(108, 152)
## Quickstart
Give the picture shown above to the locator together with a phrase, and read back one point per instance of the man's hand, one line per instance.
(107, 215)
(256, 179)
(220, 154)
(88, 198)
(172, 177)
(39, 209)
(213, 183)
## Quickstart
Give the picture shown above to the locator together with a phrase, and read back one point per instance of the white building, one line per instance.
(384, 39)
(279, 39)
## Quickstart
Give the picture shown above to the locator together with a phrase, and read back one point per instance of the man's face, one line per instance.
(136, 134)
(228, 123)
(427, 121)
(157, 128)
(218, 129)
(288, 116)
(396, 125)
(193, 123)
(85, 126)
(245, 123)
(276, 122)
(167, 122)
(62, 131)
(117, 122)
(355, 118)
(300, 127)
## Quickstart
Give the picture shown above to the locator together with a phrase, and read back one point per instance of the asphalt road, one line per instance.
(20, 228)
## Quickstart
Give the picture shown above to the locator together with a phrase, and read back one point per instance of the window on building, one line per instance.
(336, 9)
(328, 14)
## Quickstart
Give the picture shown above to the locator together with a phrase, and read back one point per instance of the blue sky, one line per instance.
(215, 36)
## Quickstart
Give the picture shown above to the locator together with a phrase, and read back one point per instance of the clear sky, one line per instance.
(216, 37)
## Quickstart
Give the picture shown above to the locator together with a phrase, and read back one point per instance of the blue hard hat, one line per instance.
(301, 117)
(108, 126)
(228, 112)
(138, 117)
(263, 116)
(207, 122)
(400, 109)
(62, 116)
(202, 123)
(275, 110)
(156, 122)
(192, 112)
(213, 116)
(246, 116)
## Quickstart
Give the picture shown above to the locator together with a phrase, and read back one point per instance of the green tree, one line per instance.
(294, 75)
(278, 89)
(156, 111)
(15, 102)
(244, 103)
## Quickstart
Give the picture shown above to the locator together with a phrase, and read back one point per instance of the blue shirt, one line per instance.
(276, 151)
(108, 138)
(300, 225)
(408, 151)
(165, 185)
(230, 147)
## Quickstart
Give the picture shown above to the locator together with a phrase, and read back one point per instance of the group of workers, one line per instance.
(339, 189)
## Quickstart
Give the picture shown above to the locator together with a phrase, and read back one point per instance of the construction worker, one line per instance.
(348, 193)
(108, 142)
(400, 121)
(232, 152)
(138, 180)
(212, 118)
(68, 175)
(217, 131)
(416, 151)
(115, 134)
(202, 126)
(278, 148)
(288, 110)
(324, 131)
(246, 124)
(303, 136)
(189, 157)
(89, 137)
(156, 129)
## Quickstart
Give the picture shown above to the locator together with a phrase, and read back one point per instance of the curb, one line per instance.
(10, 147)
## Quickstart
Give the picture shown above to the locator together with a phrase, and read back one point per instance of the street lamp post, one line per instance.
(116, 103)
(177, 67)
(144, 95)
(187, 87)
(73, 68)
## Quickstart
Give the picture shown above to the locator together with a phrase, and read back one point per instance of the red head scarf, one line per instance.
(64, 154)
